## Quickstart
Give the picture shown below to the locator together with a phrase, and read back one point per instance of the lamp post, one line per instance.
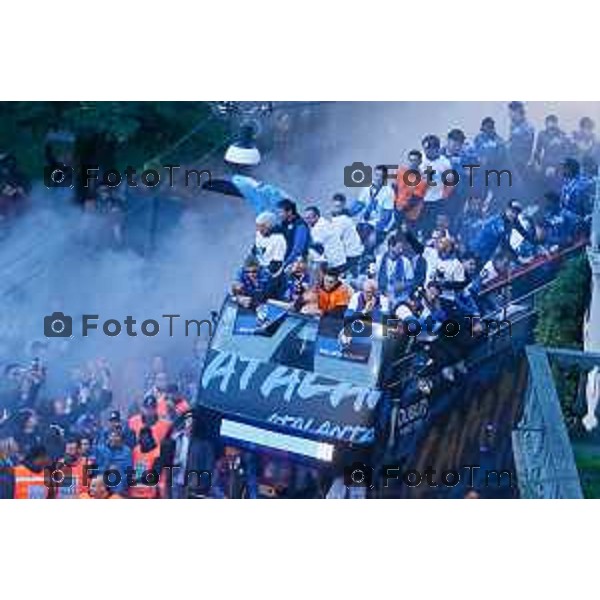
(592, 325)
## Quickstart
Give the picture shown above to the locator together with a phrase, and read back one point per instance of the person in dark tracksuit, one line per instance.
(460, 154)
(295, 230)
(520, 148)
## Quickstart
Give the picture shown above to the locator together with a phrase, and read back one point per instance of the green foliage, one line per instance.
(139, 131)
(561, 312)
(561, 307)
(588, 465)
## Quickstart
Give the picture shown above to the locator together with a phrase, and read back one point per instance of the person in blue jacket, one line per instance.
(560, 225)
(575, 194)
(295, 230)
(495, 231)
(115, 456)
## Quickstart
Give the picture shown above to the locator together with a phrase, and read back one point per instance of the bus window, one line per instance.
(298, 341)
(354, 359)
(276, 336)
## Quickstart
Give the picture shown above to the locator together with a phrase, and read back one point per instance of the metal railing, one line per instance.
(544, 458)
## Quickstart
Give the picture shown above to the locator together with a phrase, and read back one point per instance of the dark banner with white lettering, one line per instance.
(291, 398)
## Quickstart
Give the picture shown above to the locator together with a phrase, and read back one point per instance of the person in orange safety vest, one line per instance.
(170, 405)
(32, 476)
(146, 466)
(149, 417)
(71, 470)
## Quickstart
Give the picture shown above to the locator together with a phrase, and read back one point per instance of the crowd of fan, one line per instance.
(427, 249)
(80, 445)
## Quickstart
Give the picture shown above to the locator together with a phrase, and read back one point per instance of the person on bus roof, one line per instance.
(551, 149)
(576, 192)
(409, 189)
(252, 285)
(435, 164)
(488, 143)
(460, 153)
(394, 270)
(369, 301)
(297, 284)
(559, 225)
(521, 138)
(495, 231)
(585, 141)
(269, 246)
(377, 202)
(295, 230)
(346, 228)
(334, 294)
(449, 271)
(326, 242)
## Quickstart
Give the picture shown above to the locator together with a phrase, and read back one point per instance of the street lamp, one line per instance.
(243, 152)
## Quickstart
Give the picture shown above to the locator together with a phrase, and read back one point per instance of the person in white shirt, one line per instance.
(326, 243)
(377, 203)
(442, 264)
(450, 272)
(433, 167)
(370, 300)
(442, 227)
(269, 246)
(342, 221)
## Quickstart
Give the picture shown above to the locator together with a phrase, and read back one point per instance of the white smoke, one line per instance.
(50, 261)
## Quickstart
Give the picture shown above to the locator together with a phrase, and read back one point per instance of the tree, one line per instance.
(112, 134)
(561, 312)
(561, 307)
